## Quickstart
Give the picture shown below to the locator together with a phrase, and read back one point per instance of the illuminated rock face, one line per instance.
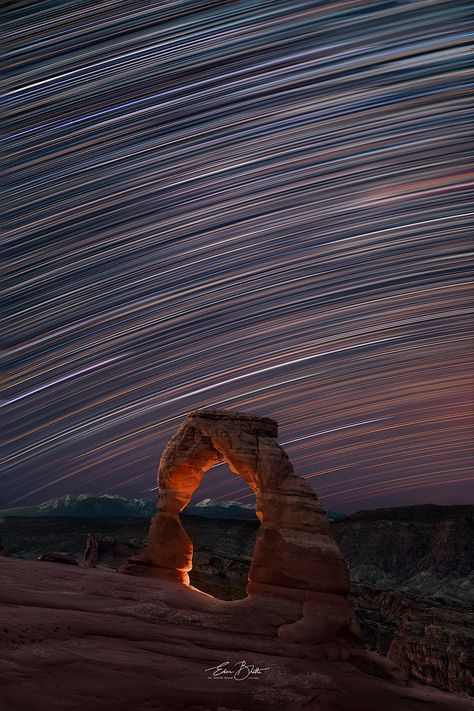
(296, 558)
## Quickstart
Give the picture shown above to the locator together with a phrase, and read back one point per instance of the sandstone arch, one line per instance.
(295, 558)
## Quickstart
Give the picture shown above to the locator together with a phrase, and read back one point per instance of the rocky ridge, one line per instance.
(425, 550)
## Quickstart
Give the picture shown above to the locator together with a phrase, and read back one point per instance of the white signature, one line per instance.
(239, 672)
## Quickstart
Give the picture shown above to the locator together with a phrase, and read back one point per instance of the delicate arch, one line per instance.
(295, 556)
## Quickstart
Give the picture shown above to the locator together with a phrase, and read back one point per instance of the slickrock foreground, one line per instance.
(90, 640)
(431, 641)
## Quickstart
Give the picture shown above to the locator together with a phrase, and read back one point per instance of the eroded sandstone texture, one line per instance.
(91, 640)
(296, 559)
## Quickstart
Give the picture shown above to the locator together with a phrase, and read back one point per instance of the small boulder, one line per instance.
(65, 558)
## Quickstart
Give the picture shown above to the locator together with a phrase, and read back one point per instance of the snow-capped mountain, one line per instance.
(209, 503)
(209, 508)
(90, 505)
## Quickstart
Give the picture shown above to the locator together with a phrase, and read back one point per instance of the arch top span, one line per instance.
(264, 425)
(247, 443)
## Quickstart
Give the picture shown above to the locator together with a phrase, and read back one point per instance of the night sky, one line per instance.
(261, 206)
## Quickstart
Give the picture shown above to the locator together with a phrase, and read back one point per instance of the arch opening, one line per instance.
(223, 534)
(206, 439)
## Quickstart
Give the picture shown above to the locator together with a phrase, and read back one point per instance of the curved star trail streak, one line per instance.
(263, 206)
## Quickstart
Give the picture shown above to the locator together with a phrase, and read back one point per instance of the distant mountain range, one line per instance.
(87, 505)
(90, 506)
(209, 508)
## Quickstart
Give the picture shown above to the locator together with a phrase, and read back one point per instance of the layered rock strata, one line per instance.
(296, 559)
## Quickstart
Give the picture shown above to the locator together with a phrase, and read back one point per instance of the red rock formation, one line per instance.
(431, 642)
(296, 560)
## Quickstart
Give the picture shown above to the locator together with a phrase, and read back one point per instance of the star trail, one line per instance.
(261, 206)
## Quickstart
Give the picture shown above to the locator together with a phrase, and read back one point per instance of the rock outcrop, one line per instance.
(296, 561)
(432, 643)
(91, 552)
(425, 550)
(64, 558)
